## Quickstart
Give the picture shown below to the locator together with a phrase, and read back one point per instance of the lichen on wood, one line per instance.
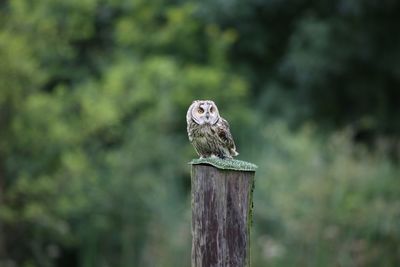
(221, 216)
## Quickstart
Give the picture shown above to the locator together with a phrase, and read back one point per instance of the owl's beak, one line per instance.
(207, 116)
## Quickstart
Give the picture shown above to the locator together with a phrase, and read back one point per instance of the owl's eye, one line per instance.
(200, 110)
(212, 109)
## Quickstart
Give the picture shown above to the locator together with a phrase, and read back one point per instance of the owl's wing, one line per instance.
(225, 135)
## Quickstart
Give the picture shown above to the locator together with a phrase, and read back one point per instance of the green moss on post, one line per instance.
(226, 164)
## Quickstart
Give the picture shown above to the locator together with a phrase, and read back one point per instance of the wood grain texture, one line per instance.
(221, 216)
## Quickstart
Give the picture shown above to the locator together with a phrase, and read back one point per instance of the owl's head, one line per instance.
(203, 112)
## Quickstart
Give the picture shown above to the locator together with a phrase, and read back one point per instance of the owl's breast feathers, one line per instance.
(212, 139)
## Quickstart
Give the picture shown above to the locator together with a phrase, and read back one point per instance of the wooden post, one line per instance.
(221, 216)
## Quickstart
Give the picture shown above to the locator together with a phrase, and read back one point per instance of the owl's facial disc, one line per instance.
(211, 113)
(205, 112)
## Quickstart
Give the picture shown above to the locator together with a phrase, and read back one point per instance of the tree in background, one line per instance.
(337, 62)
(94, 147)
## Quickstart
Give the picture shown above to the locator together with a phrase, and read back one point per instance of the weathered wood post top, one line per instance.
(222, 199)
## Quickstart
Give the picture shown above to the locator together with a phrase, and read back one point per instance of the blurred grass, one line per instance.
(319, 201)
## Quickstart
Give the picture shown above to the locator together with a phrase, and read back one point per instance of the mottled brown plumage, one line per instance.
(208, 132)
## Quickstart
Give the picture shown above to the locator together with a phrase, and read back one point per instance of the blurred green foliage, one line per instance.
(93, 146)
(326, 201)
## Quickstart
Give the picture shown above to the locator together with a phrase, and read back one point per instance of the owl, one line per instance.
(208, 131)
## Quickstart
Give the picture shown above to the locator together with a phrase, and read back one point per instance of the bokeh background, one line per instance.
(93, 144)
